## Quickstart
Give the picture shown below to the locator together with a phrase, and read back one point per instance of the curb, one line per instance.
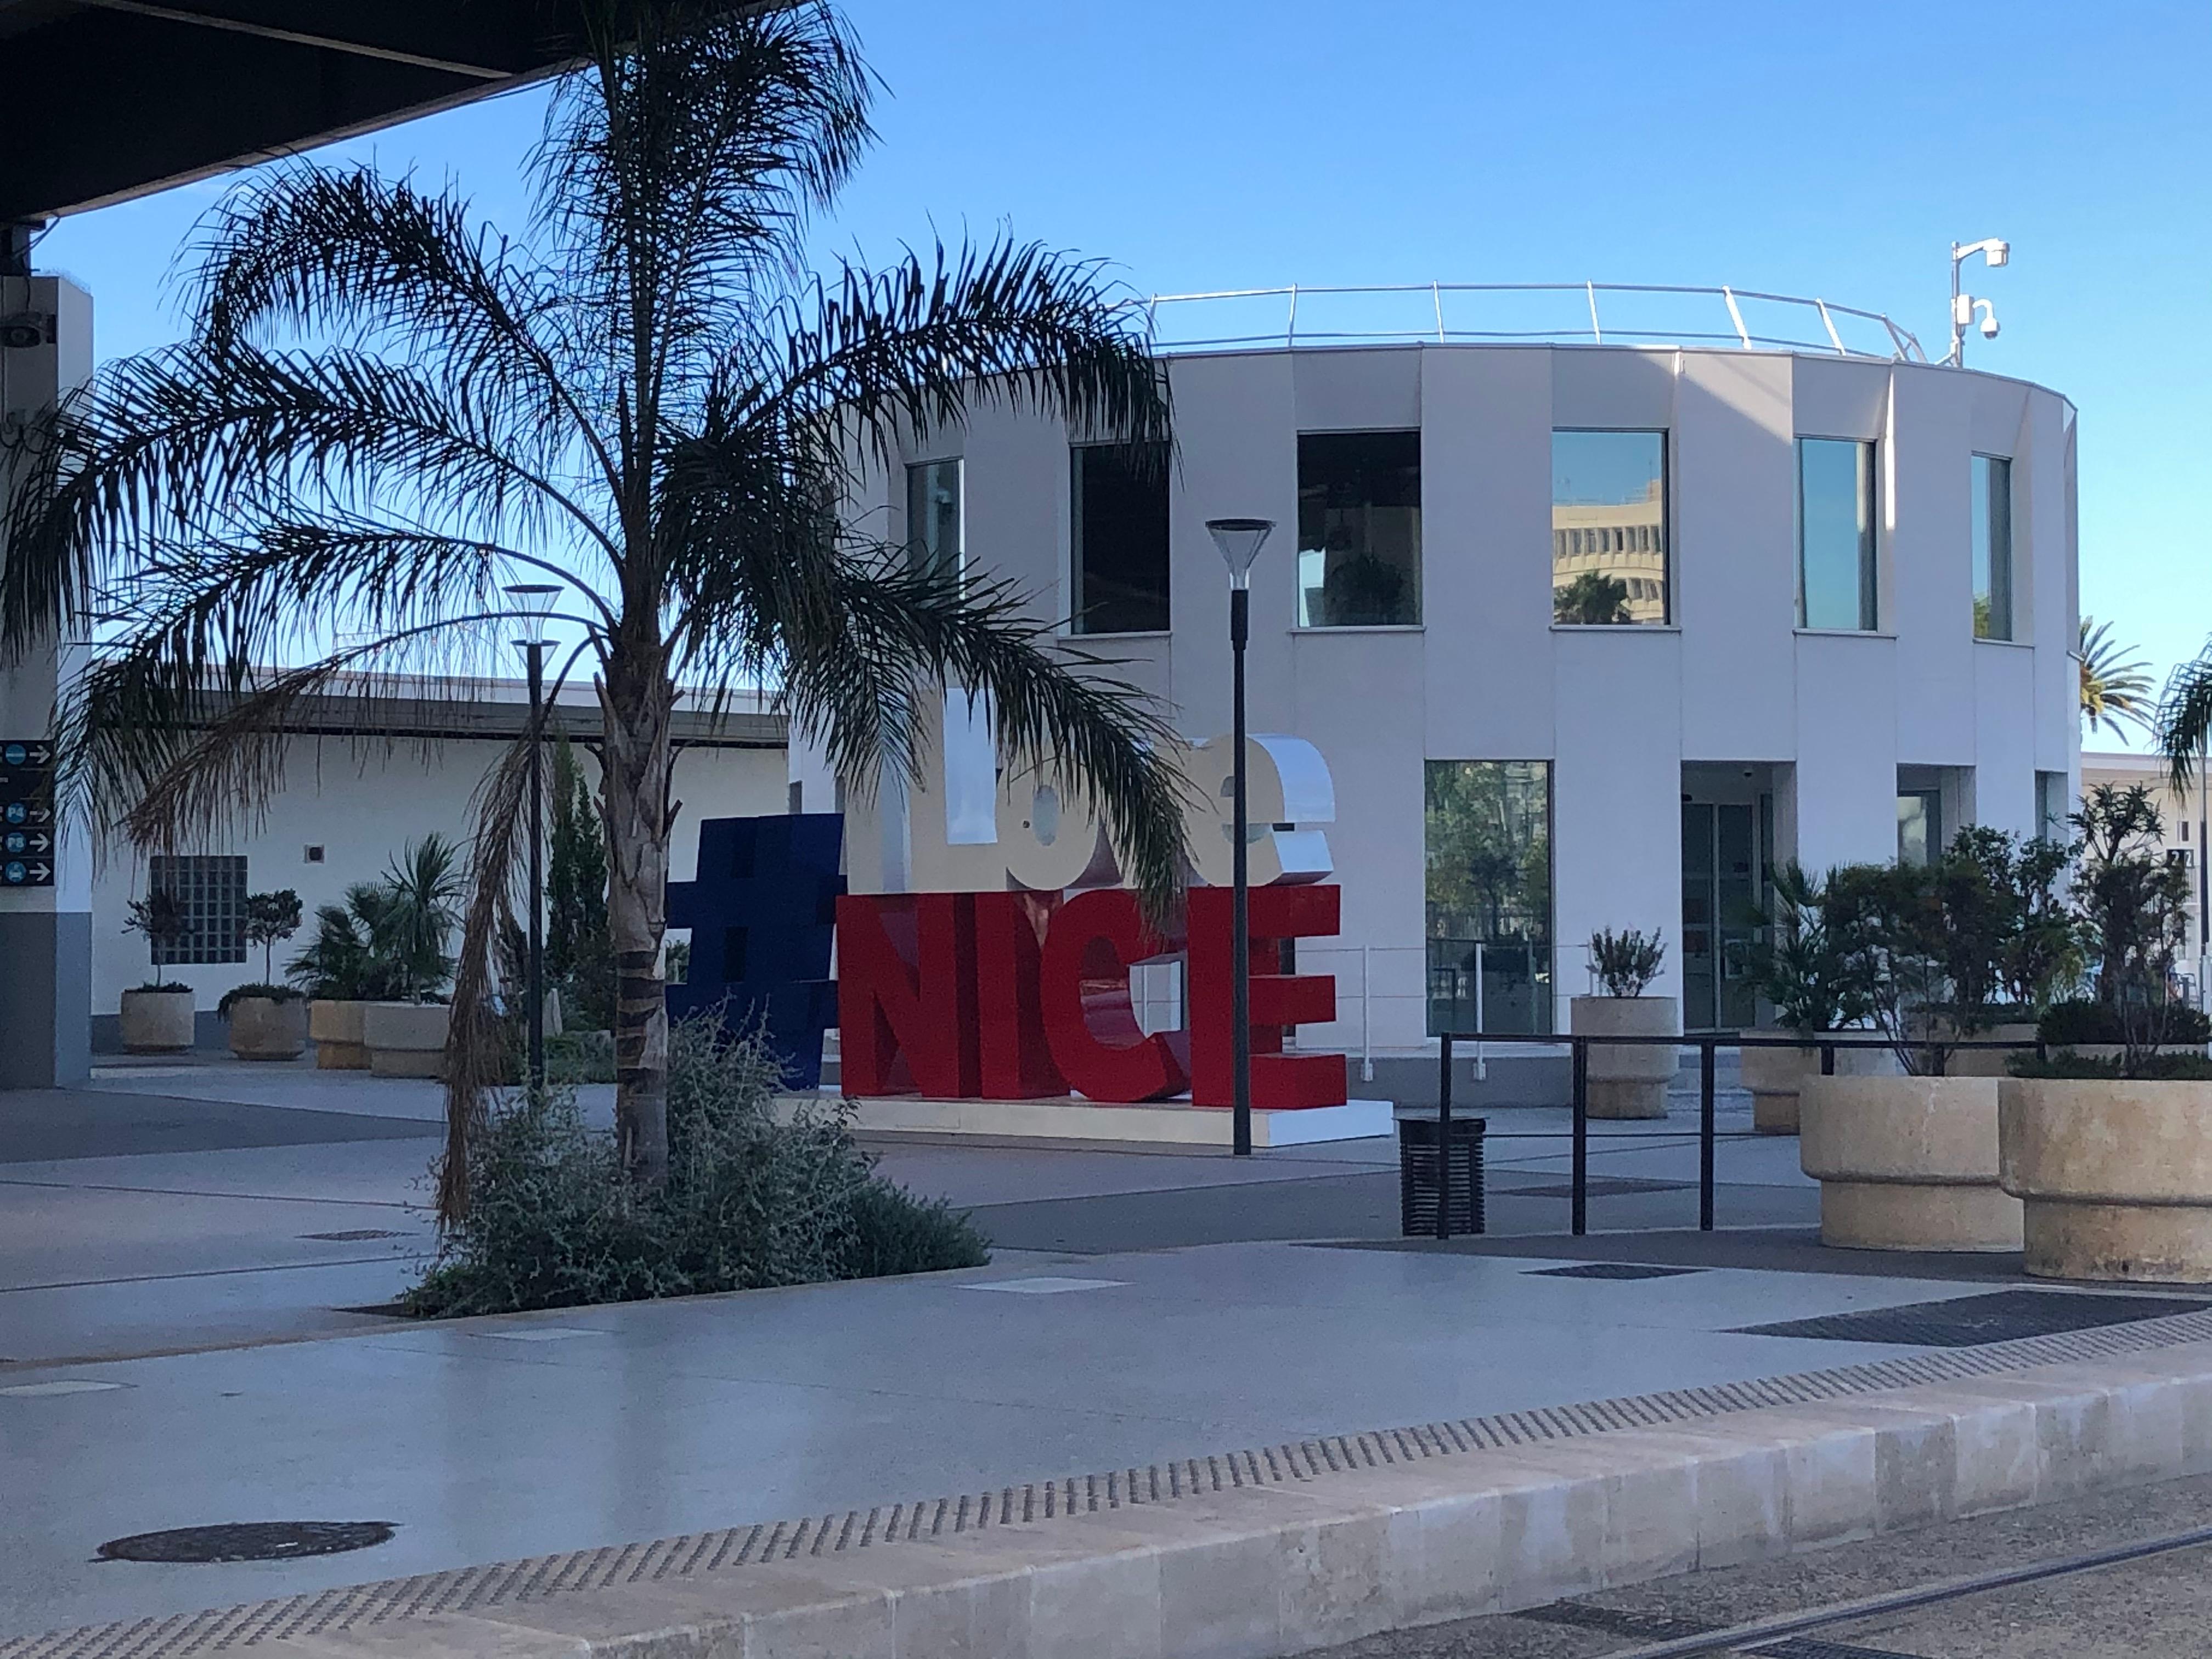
(1245, 1566)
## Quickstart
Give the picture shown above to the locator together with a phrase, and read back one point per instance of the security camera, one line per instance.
(21, 333)
(1989, 325)
(1997, 252)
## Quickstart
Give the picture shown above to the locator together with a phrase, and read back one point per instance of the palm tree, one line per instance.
(386, 411)
(2115, 684)
(2183, 725)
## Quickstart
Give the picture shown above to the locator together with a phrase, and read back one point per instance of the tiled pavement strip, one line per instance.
(1280, 1549)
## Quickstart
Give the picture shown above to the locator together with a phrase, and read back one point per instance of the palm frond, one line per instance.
(2183, 727)
(2115, 683)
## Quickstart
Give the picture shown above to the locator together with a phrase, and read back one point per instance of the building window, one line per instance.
(1359, 529)
(1919, 825)
(1992, 508)
(213, 893)
(1835, 534)
(1608, 527)
(1120, 501)
(1487, 840)
(2053, 808)
(936, 543)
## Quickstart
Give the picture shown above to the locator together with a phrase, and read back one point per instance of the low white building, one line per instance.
(351, 802)
(1589, 635)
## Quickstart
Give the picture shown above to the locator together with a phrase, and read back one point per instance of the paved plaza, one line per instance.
(189, 1268)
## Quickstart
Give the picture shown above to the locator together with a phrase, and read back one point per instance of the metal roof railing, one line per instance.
(1566, 313)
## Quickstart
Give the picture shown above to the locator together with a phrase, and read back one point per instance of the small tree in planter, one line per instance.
(2135, 907)
(157, 1017)
(1801, 971)
(1626, 1080)
(267, 1021)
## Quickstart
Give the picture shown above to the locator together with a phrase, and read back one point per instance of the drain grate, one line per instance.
(249, 1540)
(465, 1589)
(355, 1234)
(1611, 1270)
(1969, 1322)
(1811, 1647)
(1597, 1187)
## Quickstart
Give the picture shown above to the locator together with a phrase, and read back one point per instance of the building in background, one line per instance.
(1846, 604)
(350, 802)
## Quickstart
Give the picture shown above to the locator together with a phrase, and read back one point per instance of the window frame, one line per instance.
(1983, 519)
(1419, 551)
(1668, 617)
(914, 561)
(1079, 608)
(204, 945)
(1870, 548)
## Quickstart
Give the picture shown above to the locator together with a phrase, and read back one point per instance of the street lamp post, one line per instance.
(1239, 541)
(532, 603)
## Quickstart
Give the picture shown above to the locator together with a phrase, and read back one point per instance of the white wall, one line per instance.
(1619, 712)
(361, 806)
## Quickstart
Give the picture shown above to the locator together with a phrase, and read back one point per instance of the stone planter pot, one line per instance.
(157, 1022)
(406, 1039)
(1906, 1163)
(337, 1029)
(269, 1028)
(1775, 1075)
(1628, 1080)
(2116, 1176)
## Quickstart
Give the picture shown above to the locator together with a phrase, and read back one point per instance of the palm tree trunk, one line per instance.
(635, 760)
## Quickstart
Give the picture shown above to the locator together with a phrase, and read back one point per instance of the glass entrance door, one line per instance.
(1720, 915)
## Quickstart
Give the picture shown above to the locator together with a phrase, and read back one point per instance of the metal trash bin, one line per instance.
(1418, 1170)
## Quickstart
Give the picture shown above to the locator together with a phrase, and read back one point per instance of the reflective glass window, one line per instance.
(1487, 841)
(1835, 533)
(1359, 529)
(935, 537)
(1992, 531)
(1608, 527)
(1120, 515)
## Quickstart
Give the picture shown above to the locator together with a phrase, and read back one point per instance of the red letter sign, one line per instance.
(1088, 1019)
(906, 992)
(1279, 1080)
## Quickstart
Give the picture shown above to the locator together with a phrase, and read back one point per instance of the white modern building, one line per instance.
(360, 783)
(1588, 633)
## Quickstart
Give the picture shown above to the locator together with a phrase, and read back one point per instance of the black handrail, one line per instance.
(1707, 1044)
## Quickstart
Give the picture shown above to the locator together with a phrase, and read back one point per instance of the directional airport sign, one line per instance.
(27, 813)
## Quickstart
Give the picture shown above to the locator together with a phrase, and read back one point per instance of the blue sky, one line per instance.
(1801, 149)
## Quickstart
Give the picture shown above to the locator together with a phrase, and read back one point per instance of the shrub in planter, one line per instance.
(750, 1200)
(1627, 1080)
(158, 1017)
(2135, 909)
(267, 1022)
(1802, 972)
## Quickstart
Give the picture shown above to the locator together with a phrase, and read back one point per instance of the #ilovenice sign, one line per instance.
(1019, 988)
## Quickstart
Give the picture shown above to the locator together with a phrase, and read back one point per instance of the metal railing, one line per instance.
(1568, 313)
(1709, 1135)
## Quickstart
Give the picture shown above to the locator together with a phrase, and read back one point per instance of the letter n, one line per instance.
(906, 993)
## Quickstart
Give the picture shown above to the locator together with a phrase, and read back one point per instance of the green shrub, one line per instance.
(576, 1057)
(1626, 962)
(2085, 1019)
(239, 993)
(2167, 1068)
(750, 1201)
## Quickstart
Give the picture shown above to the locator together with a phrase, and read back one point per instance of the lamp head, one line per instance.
(532, 602)
(1239, 541)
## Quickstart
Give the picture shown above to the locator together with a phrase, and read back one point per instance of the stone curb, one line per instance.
(1260, 1570)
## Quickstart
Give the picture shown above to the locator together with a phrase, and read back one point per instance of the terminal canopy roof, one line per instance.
(104, 100)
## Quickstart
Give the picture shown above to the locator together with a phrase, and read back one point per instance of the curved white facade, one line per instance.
(1729, 701)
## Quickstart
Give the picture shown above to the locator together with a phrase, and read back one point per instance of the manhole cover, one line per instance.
(1967, 1322)
(355, 1236)
(250, 1540)
(1611, 1270)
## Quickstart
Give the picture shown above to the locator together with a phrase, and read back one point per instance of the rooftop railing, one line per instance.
(1562, 313)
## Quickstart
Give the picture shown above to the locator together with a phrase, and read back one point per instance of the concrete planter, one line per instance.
(1629, 1080)
(269, 1028)
(2116, 1176)
(337, 1029)
(406, 1039)
(156, 1022)
(1906, 1163)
